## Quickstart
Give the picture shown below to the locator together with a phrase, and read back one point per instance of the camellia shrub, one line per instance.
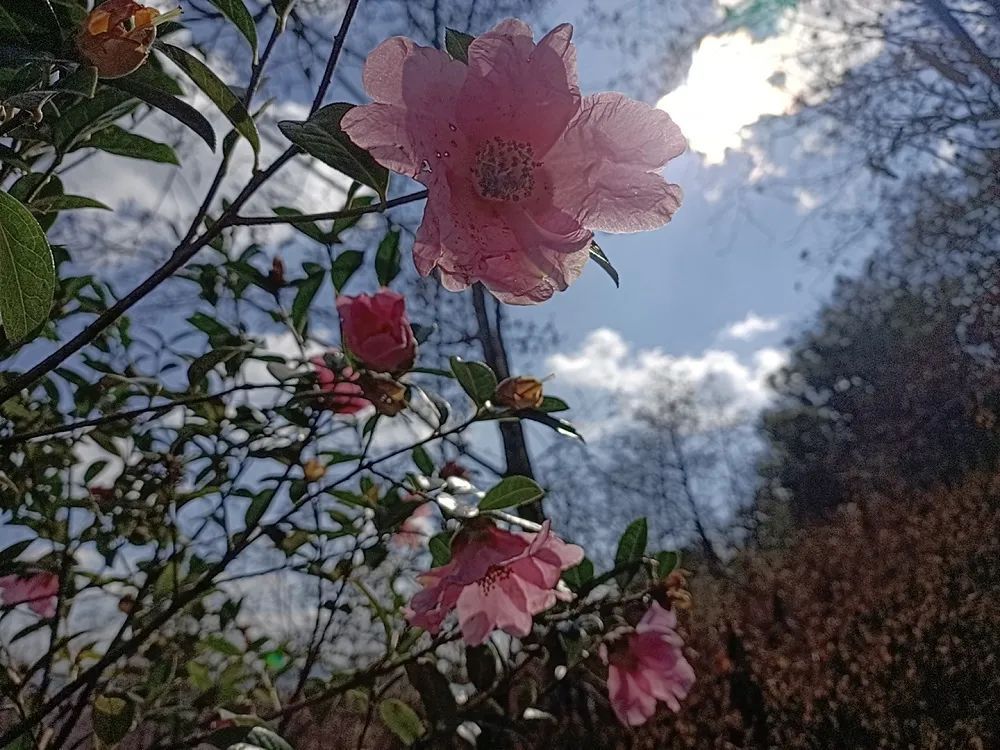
(155, 480)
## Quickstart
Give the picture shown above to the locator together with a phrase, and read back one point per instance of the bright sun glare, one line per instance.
(731, 84)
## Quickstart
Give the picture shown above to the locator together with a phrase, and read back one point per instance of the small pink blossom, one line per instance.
(37, 590)
(495, 580)
(520, 168)
(342, 394)
(648, 666)
(377, 331)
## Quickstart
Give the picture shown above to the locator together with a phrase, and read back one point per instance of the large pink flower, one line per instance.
(648, 666)
(519, 167)
(377, 331)
(341, 394)
(495, 580)
(37, 590)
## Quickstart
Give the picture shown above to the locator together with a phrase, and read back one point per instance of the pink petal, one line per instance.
(657, 620)
(604, 166)
(411, 123)
(518, 91)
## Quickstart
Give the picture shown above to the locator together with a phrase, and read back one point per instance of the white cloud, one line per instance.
(606, 362)
(751, 326)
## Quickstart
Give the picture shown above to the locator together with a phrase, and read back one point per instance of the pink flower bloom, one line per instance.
(377, 332)
(646, 667)
(37, 590)
(495, 579)
(416, 529)
(519, 167)
(344, 396)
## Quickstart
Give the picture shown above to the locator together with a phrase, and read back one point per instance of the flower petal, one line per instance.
(602, 168)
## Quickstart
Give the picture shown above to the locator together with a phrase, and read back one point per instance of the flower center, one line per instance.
(494, 575)
(505, 170)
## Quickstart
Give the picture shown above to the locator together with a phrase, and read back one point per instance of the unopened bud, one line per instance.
(387, 395)
(519, 393)
(314, 470)
(277, 275)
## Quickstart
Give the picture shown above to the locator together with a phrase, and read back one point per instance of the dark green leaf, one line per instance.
(237, 12)
(82, 81)
(631, 547)
(142, 88)
(440, 548)
(262, 738)
(552, 404)
(304, 297)
(322, 137)
(402, 720)
(511, 492)
(56, 203)
(559, 425)
(112, 718)
(476, 379)
(387, 258)
(666, 563)
(116, 140)
(579, 575)
(204, 364)
(90, 115)
(344, 267)
(602, 260)
(457, 44)
(27, 270)
(258, 507)
(481, 664)
(10, 156)
(93, 470)
(223, 97)
(282, 9)
(422, 460)
(308, 228)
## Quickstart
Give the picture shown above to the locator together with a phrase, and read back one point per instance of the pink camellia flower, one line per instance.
(519, 166)
(37, 590)
(495, 580)
(647, 666)
(377, 331)
(343, 395)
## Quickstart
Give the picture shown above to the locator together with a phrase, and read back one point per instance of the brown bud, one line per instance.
(126, 604)
(314, 470)
(117, 35)
(277, 276)
(453, 469)
(519, 393)
(388, 395)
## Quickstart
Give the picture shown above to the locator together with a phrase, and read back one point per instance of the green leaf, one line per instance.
(10, 156)
(56, 203)
(666, 563)
(112, 718)
(237, 12)
(476, 379)
(440, 548)
(304, 297)
(552, 404)
(481, 664)
(27, 270)
(143, 87)
(579, 575)
(401, 719)
(631, 547)
(199, 369)
(322, 137)
(223, 97)
(258, 507)
(511, 492)
(282, 9)
(602, 260)
(90, 115)
(387, 259)
(309, 228)
(554, 423)
(82, 81)
(457, 44)
(344, 267)
(28, 186)
(120, 142)
(422, 460)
